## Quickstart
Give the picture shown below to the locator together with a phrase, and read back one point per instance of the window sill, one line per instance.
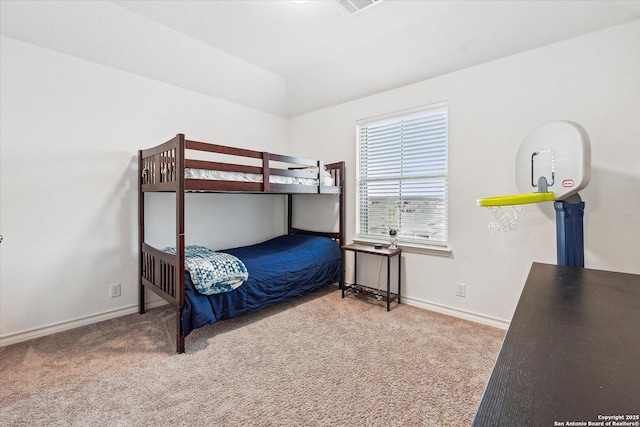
(444, 251)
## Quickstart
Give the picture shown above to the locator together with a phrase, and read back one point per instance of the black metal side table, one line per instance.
(367, 291)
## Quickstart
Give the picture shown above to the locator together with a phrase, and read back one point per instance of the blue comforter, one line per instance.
(281, 268)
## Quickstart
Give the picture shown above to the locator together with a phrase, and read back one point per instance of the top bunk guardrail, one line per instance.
(167, 168)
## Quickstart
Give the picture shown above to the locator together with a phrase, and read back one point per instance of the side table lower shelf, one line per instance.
(366, 291)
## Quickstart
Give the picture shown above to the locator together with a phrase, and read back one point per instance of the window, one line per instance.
(402, 176)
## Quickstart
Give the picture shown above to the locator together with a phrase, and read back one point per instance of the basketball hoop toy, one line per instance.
(506, 210)
(553, 163)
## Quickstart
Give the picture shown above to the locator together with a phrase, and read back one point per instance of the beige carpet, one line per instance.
(315, 361)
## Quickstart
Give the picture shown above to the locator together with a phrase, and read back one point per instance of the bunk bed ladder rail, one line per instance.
(180, 243)
(159, 269)
(161, 169)
(160, 272)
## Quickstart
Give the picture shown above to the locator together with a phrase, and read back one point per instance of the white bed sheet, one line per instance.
(190, 173)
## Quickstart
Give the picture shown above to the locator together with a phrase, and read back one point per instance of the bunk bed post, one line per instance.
(343, 218)
(320, 180)
(289, 213)
(141, 303)
(265, 172)
(180, 155)
(343, 210)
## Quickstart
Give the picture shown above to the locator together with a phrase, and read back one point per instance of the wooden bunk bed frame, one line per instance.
(162, 169)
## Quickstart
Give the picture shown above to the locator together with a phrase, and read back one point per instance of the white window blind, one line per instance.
(402, 177)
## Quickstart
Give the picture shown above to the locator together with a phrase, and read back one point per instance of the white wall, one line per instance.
(593, 80)
(69, 139)
(71, 130)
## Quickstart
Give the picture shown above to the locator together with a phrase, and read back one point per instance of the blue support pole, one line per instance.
(570, 233)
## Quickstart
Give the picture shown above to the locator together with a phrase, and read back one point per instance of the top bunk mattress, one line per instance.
(215, 175)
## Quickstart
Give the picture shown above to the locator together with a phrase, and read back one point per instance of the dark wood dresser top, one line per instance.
(571, 354)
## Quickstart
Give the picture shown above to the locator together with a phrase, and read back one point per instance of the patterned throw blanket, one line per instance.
(212, 272)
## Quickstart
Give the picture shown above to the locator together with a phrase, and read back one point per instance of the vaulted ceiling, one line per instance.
(291, 57)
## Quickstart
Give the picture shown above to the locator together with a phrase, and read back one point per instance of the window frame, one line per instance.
(434, 246)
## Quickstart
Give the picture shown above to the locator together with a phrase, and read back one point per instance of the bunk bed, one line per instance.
(278, 269)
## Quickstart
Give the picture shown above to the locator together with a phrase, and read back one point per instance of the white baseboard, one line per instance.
(17, 337)
(456, 312)
(42, 331)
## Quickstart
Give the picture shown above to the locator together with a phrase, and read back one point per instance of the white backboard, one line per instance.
(560, 152)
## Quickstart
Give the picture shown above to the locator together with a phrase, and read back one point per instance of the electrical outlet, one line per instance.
(461, 290)
(115, 290)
